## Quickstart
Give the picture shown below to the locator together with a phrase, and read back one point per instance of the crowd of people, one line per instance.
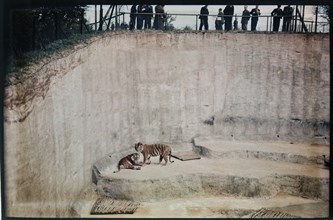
(142, 15)
(278, 13)
(225, 17)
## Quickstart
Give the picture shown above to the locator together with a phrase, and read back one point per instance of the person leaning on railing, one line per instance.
(277, 15)
(245, 18)
(204, 17)
(132, 17)
(228, 12)
(287, 16)
(255, 12)
(148, 9)
(139, 18)
(219, 20)
(160, 17)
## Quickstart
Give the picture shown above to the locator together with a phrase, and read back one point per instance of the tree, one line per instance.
(324, 11)
(168, 23)
(21, 31)
(33, 29)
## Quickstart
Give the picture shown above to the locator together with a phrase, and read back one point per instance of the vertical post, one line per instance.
(303, 16)
(316, 21)
(270, 23)
(196, 22)
(100, 28)
(116, 18)
(295, 30)
(95, 17)
(267, 23)
(300, 15)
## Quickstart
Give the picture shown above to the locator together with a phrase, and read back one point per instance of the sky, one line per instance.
(181, 20)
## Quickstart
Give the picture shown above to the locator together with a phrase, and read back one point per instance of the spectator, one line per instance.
(132, 17)
(147, 17)
(255, 17)
(228, 13)
(287, 16)
(245, 18)
(219, 20)
(204, 17)
(277, 15)
(159, 17)
(140, 17)
(235, 24)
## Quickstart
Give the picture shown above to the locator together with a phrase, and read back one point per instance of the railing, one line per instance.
(192, 22)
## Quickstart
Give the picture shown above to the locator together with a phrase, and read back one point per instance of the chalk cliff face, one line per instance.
(64, 113)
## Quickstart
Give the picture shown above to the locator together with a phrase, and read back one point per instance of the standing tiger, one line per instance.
(154, 150)
(129, 162)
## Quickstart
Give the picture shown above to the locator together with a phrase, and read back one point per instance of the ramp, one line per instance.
(108, 205)
(267, 213)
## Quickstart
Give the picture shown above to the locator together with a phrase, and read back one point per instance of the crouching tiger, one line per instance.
(154, 150)
(129, 162)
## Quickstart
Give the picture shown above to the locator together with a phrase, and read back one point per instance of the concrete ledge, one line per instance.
(250, 178)
(302, 153)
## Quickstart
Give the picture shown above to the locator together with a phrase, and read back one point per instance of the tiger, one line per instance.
(154, 150)
(131, 161)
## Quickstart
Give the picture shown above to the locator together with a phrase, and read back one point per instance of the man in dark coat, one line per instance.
(132, 17)
(160, 16)
(287, 16)
(140, 17)
(228, 13)
(245, 18)
(277, 15)
(149, 10)
(204, 17)
(255, 17)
